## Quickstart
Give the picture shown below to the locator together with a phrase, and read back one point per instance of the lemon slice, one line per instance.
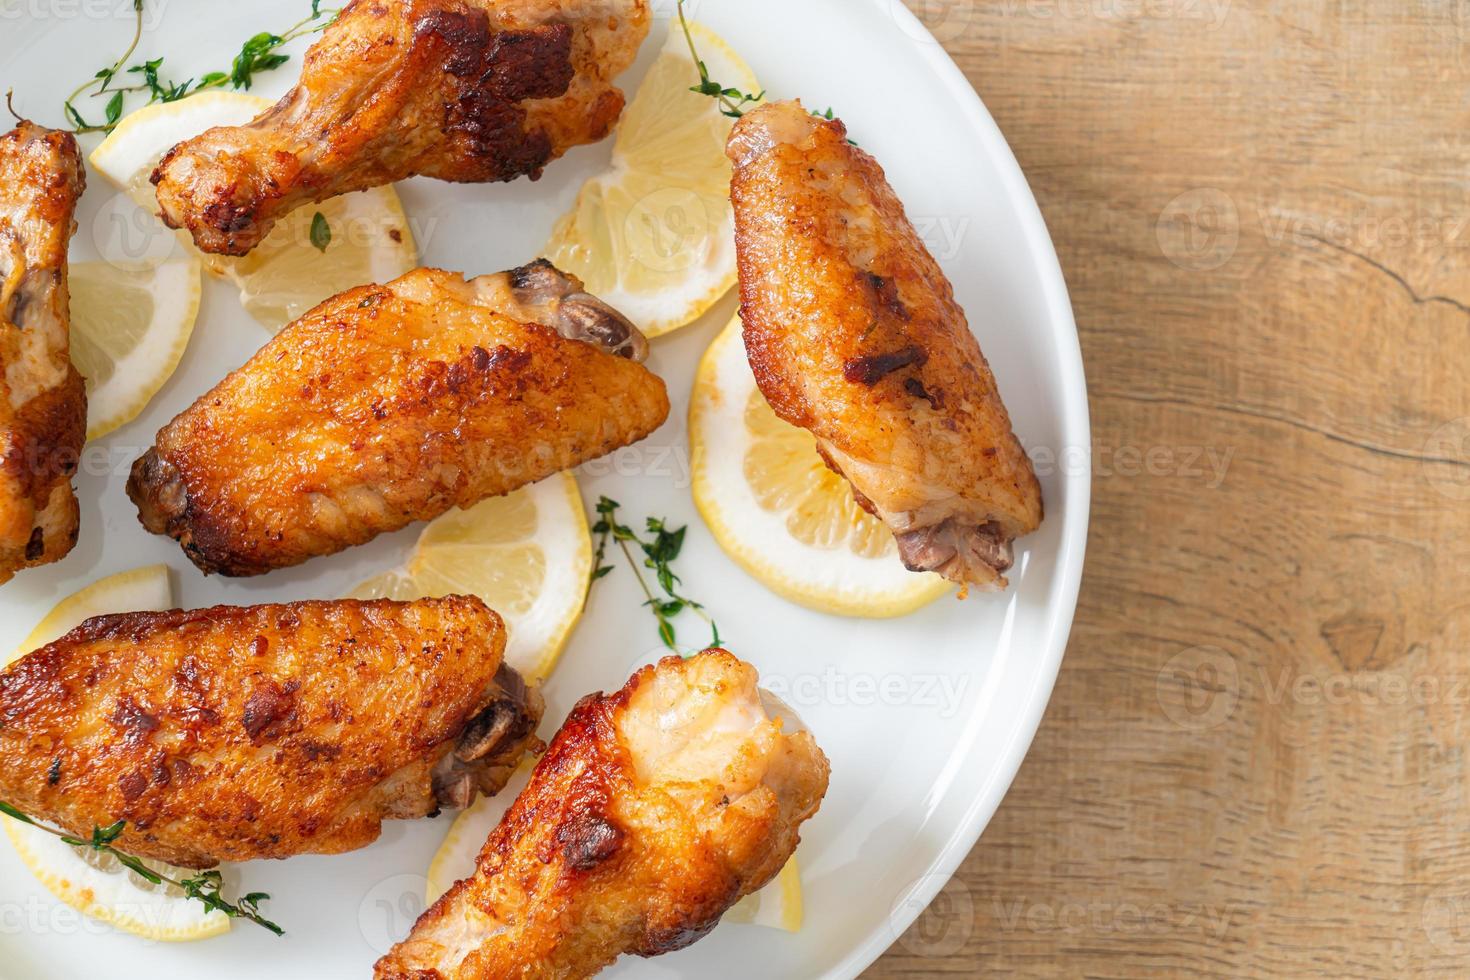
(777, 509)
(286, 275)
(527, 554)
(130, 325)
(777, 906)
(95, 884)
(655, 236)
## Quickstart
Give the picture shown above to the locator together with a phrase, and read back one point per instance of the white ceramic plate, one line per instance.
(925, 719)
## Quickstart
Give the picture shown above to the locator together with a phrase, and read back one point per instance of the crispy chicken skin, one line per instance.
(393, 404)
(228, 734)
(854, 334)
(654, 811)
(43, 406)
(462, 90)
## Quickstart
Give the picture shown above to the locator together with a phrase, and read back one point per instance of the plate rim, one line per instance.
(1071, 551)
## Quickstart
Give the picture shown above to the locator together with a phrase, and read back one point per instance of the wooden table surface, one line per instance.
(1255, 760)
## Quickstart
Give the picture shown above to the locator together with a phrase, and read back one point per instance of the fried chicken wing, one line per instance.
(228, 734)
(43, 405)
(461, 90)
(655, 810)
(854, 334)
(393, 404)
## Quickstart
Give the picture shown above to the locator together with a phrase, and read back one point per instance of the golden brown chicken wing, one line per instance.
(853, 333)
(461, 90)
(228, 734)
(655, 810)
(43, 405)
(392, 404)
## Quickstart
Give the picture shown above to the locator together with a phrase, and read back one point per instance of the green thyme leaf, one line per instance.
(732, 101)
(14, 814)
(204, 887)
(259, 54)
(321, 232)
(106, 835)
(659, 551)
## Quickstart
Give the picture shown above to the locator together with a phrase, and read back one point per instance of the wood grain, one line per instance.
(1255, 760)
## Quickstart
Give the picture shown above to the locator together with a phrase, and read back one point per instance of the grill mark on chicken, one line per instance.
(587, 840)
(269, 710)
(916, 388)
(134, 723)
(886, 293)
(532, 64)
(486, 114)
(872, 368)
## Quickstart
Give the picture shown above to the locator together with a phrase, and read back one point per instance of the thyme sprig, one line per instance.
(259, 54)
(659, 553)
(205, 887)
(732, 101)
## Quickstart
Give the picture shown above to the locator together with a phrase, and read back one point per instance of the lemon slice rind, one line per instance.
(139, 590)
(832, 580)
(113, 897)
(101, 294)
(776, 906)
(654, 235)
